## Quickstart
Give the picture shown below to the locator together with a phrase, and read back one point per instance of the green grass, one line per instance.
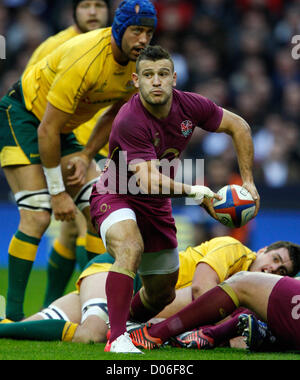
(28, 350)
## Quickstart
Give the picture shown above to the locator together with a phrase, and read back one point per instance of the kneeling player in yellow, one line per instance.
(84, 313)
(46, 168)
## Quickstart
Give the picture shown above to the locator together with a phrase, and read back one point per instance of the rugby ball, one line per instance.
(236, 208)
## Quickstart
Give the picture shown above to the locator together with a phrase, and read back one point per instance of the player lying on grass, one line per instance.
(274, 299)
(82, 316)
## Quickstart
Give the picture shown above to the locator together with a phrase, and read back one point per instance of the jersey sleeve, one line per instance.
(206, 113)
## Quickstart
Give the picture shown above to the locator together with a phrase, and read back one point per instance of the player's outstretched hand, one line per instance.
(77, 166)
(63, 207)
(254, 193)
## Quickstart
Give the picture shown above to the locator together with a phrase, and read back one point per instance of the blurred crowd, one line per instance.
(236, 52)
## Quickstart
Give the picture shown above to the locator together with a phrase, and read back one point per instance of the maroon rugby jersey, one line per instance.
(144, 137)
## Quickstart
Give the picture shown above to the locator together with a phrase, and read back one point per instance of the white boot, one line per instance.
(123, 345)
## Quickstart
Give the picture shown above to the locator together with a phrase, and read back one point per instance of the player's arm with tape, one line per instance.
(49, 147)
(238, 129)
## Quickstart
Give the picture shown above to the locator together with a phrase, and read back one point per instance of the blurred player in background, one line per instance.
(201, 268)
(73, 240)
(44, 164)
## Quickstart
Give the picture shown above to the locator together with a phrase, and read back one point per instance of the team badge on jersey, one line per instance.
(186, 128)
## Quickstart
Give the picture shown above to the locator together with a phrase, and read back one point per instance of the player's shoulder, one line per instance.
(225, 243)
(131, 117)
(88, 41)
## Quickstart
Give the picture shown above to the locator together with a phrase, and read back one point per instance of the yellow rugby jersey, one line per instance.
(52, 43)
(48, 46)
(80, 77)
(225, 255)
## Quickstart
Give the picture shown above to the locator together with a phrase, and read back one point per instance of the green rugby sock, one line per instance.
(81, 254)
(22, 252)
(45, 330)
(59, 272)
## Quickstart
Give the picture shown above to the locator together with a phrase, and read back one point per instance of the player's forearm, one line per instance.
(99, 137)
(100, 134)
(243, 143)
(49, 148)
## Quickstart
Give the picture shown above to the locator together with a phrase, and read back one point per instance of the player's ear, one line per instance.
(174, 79)
(135, 79)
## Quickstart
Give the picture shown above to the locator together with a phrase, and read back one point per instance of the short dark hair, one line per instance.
(294, 253)
(154, 53)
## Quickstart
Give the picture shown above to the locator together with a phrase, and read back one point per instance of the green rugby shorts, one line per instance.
(18, 133)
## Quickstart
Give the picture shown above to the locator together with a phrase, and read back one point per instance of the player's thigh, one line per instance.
(68, 304)
(124, 242)
(25, 177)
(92, 287)
(253, 290)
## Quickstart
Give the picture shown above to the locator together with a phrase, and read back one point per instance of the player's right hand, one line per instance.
(77, 166)
(199, 193)
(63, 207)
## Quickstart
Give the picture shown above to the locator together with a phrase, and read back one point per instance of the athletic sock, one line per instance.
(21, 255)
(45, 330)
(60, 267)
(81, 255)
(140, 309)
(211, 307)
(119, 289)
(94, 245)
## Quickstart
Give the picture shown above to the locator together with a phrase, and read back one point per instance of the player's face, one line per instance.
(276, 261)
(155, 81)
(91, 15)
(135, 39)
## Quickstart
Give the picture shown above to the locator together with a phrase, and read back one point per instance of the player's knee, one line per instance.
(38, 221)
(91, 331)
(239, 282)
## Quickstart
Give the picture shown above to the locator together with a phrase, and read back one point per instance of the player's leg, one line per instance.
(124, 242)
(94, 245)
(159, 272)
(251, 290)
(33, 201)
(61, 261)
(57, 322)
(182, 299)
(94, 315)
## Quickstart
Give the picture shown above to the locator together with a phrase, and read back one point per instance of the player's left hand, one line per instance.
(207, 204)
(250, 186)
(77, 166)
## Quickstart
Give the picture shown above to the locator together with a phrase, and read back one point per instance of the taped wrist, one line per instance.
(54, 180)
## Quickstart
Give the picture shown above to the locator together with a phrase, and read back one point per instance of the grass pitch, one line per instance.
(29, 350)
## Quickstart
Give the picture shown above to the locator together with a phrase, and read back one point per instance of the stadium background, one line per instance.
(237, 53)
